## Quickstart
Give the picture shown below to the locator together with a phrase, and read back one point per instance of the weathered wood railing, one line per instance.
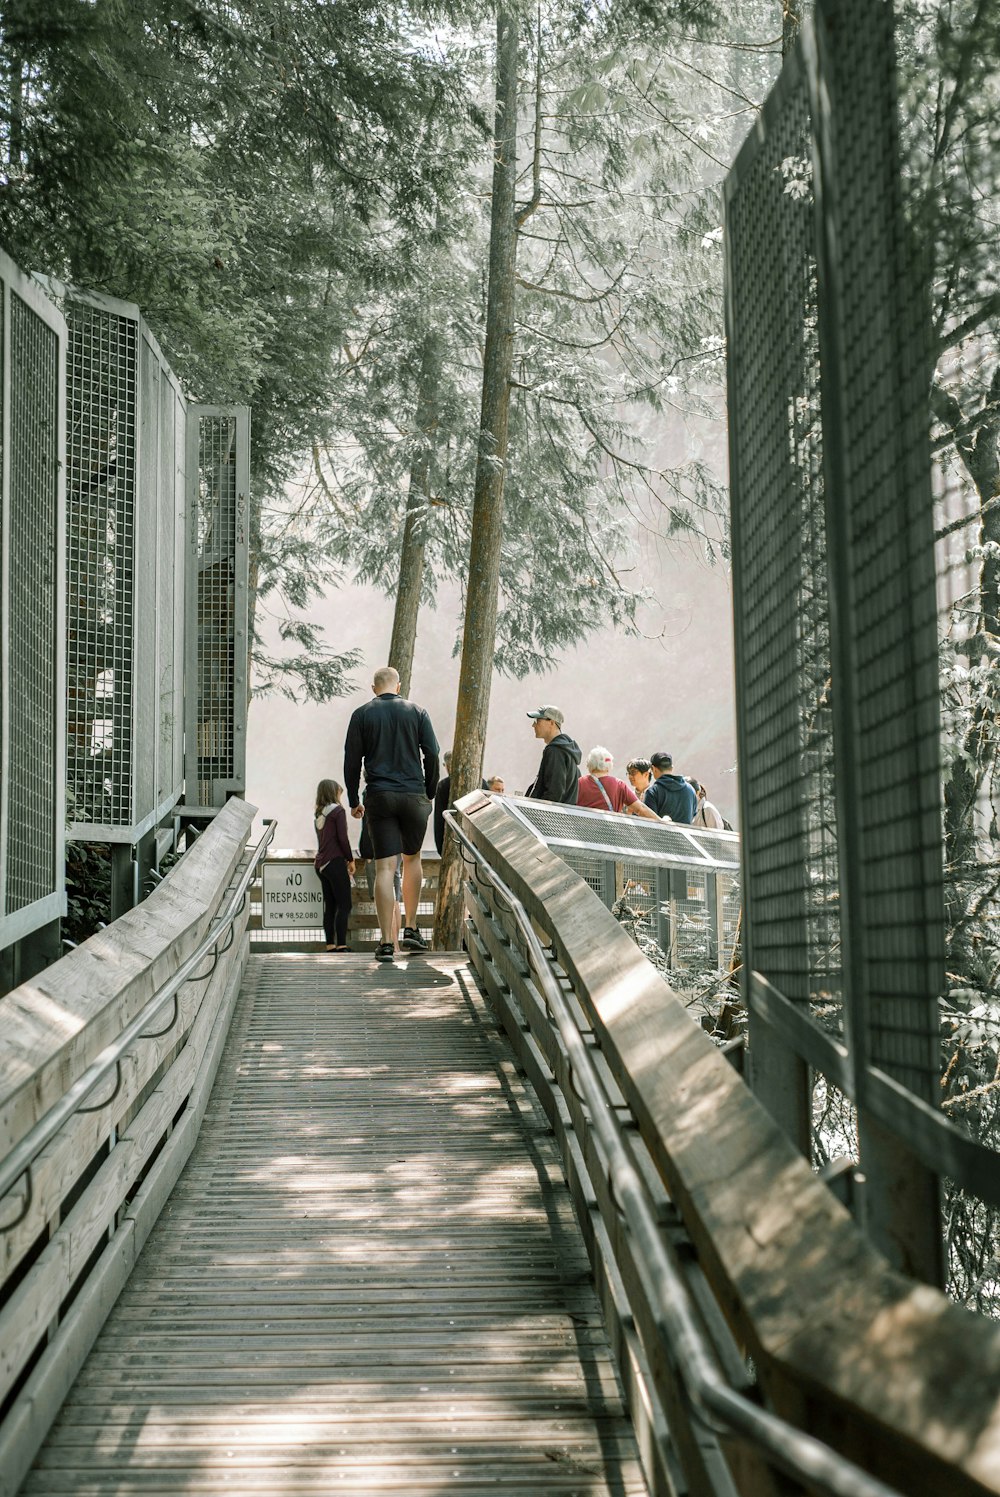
(735, 1249)
(84, 1175)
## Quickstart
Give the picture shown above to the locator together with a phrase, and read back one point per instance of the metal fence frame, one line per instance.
(35, 435)
(141, 409)
(885, 901)
(217, 604)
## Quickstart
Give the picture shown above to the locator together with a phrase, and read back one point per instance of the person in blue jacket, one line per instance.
(670, 794)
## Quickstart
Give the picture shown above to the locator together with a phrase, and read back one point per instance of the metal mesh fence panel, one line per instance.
(901, 840)
(889, 745)
(952, 184)
(218, 446)
(779, 530)
(967, 545)
(125, 577)
(169, 585)
(674, 888)
(32, 678)
(101, 493)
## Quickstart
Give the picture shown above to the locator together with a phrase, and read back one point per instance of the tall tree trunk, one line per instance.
(479, 636)
(411, 562)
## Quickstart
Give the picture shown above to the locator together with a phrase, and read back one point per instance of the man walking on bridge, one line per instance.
(395, 742)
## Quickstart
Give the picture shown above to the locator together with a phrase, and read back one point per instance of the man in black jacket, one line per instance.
(391, 736)
(558, 775)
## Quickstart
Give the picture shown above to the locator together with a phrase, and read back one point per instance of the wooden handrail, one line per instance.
(887, 1371)
(70, 1230)
(57, 1023)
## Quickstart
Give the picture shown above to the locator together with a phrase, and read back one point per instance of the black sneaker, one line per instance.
(384, 951)
(412, 940)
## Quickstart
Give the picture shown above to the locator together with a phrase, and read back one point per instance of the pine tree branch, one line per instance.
(585, 301)
(989, 308)
(644, 95)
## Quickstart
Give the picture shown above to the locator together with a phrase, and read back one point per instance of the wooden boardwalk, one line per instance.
(369, 1278)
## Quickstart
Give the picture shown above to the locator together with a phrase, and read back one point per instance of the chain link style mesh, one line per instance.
(674, 888)
(863, 335)
(888, 586)
(33, 840)
(216, 521)
(782, 587)
(100, 519)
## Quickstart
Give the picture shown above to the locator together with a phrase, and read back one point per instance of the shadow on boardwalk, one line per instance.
(369, 1278)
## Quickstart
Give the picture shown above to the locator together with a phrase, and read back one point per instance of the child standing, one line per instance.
(333, 863)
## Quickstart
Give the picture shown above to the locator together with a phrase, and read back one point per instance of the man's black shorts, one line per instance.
(397, 821)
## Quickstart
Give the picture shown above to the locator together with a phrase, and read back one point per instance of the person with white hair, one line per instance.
(599, 790)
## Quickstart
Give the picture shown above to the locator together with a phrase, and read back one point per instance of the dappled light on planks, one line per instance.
(369, 1278)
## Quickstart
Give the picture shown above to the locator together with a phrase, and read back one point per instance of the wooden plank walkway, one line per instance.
(369, 1278)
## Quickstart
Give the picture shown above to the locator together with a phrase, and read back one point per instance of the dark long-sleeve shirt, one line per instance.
(332, 837)
(394, 740)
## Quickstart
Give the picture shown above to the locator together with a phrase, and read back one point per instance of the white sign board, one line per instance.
(291, 896)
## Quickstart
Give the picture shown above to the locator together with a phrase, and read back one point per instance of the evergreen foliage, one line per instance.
(231, 169)
(618, 331)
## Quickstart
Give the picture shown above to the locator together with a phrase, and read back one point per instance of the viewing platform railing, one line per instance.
(674, 886)
(756, 1328)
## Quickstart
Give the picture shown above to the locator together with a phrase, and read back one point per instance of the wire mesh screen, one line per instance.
(675, 889)
(899, 326)
(32, 671)
(950, 177)
(590, 867)
(218, 472)
(626, 835)
(100, 515)
(170, 592)
(884, 347)
(780, 563)
(125, 572)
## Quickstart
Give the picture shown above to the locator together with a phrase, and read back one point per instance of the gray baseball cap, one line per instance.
(550, 712)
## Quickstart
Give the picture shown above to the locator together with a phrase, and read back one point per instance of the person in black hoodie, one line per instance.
(559, 772)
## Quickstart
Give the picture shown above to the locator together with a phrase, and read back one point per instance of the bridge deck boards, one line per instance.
(369, 1278)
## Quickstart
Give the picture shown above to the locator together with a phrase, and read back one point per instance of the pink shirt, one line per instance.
(619, 793)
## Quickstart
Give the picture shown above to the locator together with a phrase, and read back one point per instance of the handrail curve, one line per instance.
(900, 1382)
(34, 1141)
(718, 1404)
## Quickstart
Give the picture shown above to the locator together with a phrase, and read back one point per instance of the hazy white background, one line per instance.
(635, 696)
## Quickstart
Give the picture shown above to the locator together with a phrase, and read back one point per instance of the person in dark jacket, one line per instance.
(441, 797)
(558, 775)
(334, 863)
(670, 794)
(395, 742)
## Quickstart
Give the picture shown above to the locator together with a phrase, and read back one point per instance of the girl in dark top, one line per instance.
(334, 863)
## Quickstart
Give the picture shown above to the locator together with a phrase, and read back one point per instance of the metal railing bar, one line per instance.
(798, 1453)
(931, 1136)
(107, 1101)
(29, 1192)
(699, 858)
(35, 1140)
(820, 1049)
